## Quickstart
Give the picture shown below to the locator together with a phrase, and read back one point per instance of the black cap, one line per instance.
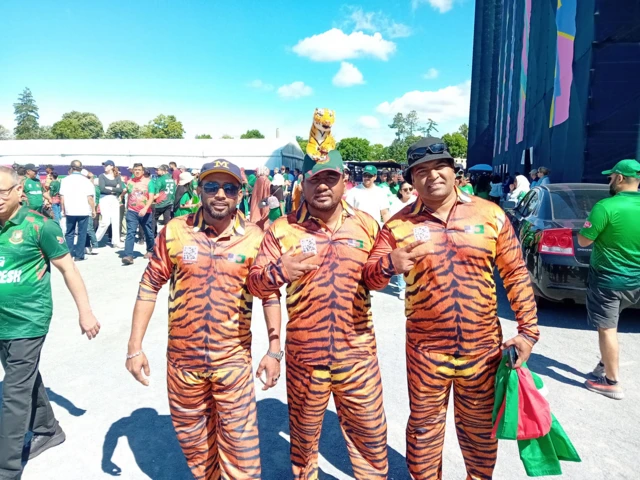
(422, 152)
(221, 166)
(31, 166)
(108, 162)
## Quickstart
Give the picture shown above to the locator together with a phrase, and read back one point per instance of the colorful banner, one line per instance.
(513, 52)
(566, 26)
(524, 70)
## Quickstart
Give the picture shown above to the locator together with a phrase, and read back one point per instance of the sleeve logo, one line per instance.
(587, 224)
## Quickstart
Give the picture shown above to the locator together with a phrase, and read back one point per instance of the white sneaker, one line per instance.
(402, 294)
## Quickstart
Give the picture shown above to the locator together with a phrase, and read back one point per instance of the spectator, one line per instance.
(519, 189)
(111, 187)
(141, 193)
(77, 202)
(54, 193)
(277, 189)
(543, 175)
(614, 274)
(166, 191)
(496, 189)
(296, 194)
(463, 183)
(92, 241)
(184, 198)
(33, 189)
(394, 184)
(261, 192)
(174, 171)
(369, 197)
(483, 187)
(534, 177)
(348, 184)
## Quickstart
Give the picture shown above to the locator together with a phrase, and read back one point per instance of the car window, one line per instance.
(575, 204)
(520, 208)
(531, 205)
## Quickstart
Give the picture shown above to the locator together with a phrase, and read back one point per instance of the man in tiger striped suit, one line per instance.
(319, 252)
(207, 256)
(447, 244)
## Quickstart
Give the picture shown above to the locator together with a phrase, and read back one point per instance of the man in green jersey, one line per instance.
(33, 188)
(166, 191)
(614, 273)
(29, 242)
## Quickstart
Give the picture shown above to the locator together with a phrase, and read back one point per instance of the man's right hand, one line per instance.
(294, 266)
(404, 259)
(136, 366)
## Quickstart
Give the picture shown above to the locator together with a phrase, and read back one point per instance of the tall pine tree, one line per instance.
(26, 112)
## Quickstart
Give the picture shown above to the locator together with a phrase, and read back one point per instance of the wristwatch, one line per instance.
(277, 356)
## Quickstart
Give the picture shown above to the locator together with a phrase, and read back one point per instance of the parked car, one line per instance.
(547, 221)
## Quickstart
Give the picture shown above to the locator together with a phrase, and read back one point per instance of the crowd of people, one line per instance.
(328, 243)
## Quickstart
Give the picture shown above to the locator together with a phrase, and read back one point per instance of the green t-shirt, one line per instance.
(166, 189)
(54, 188)
(27, 242)
(615, 230)
(186, 196)
(468, 189)
(394, 189)
(33, 191)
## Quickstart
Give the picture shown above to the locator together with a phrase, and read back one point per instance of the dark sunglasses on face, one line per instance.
(230, 189)
(433, 149)
(407, 190)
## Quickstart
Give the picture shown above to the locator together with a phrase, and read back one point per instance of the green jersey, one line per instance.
(54, 188)
(394, 189)
(614, 228)
(468, 189)
(33, 191)
(28, 242)
(166, 189)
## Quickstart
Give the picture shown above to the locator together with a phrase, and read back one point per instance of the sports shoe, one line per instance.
(42, 443)
(602, 387)
(89, 250)
(402, 294)
(127, 260)
(598, 371)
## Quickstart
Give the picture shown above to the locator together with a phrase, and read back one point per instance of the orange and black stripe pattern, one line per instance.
(330, 308)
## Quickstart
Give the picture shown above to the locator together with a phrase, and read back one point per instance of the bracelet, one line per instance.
(129, 357)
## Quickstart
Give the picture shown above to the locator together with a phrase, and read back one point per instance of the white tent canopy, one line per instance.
(247, 153)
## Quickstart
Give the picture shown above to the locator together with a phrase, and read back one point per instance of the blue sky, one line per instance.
(225, 67)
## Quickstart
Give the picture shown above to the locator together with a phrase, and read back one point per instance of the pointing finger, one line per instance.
(413, 245)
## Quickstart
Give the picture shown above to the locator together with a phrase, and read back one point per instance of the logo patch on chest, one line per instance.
(190, 253)
(474, 229)
(236, 258)
(16, 237)
(355, 243)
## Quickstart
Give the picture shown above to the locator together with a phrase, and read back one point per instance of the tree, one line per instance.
(379, 152)
(204, 136)
(464, 130)
(26, 112)
(226, 137)
(78, 125)
(252, 134)
(429, 128)
(398, 148)
(456, 143)
(123, 129)
(303, 143)
(163, 126)
(44, 133)
(399, 125)
(354, 149)
(5, 133)
(411, 123)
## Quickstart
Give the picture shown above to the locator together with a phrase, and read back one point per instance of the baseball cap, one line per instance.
(221, 166)
(371, 170)
(332, 163)
(31, 166)
(108, 162)
(627, 168)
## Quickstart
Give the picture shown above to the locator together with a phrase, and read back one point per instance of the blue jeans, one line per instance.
(400, 282)
(57, 212)
(92, 240)
(133, 220)
(82, 223)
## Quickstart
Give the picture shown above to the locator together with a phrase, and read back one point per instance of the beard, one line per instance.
(612, 190)
(215, 214)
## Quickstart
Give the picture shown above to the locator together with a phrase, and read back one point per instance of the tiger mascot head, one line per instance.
(323, 119)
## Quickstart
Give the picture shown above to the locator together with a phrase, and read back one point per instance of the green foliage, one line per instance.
(464, 130)
(303, 143)
(123, 129)
(204, 136)
(399, 125)
(252, 134)
(456, 144)
(379, 152)
(44, 133)
(226, 137)
(409, 125)
(5, 133)
(398, 148)
(78, 125)
(354, 149)
(26, 112)
(429, 128)
(163, 126)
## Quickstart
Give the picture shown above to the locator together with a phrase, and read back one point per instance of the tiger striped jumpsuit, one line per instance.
(209, 380)
(453, 331)
(330, 345)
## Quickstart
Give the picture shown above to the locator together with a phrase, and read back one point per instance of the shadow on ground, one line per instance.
(551, 368)
(154, 446)
(59, 400)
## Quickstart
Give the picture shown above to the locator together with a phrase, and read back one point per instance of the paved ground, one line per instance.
(117, 427)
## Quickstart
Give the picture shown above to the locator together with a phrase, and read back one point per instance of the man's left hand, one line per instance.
(272, 368)
(143, 212)
(523, 346)
(89, 325)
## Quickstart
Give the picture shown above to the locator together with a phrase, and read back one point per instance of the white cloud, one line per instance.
(335, 45)
(442, 6)
(376, 22)
(441, 105)
(367, 121)
(295, 90)
(260, 85)
(348, 76)
(431, 74)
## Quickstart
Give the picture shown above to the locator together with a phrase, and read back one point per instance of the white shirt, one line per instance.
(370, 200)
(75, 189)
(278, 180)
(397, 205)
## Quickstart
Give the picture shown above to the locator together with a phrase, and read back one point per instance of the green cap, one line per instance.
(371, 170)
(626, 168)
(332, 162)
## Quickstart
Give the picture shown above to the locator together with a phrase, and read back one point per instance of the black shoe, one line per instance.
(42, 443)
(127, 260)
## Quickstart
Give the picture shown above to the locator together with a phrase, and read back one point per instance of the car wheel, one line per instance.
(542, 302)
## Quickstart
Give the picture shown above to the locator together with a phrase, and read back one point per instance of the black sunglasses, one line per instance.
(230, 189)
(434, 149)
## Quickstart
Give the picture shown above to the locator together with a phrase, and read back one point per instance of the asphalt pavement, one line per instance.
(117, 427)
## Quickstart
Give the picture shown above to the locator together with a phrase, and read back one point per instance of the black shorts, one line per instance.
(604, 305)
